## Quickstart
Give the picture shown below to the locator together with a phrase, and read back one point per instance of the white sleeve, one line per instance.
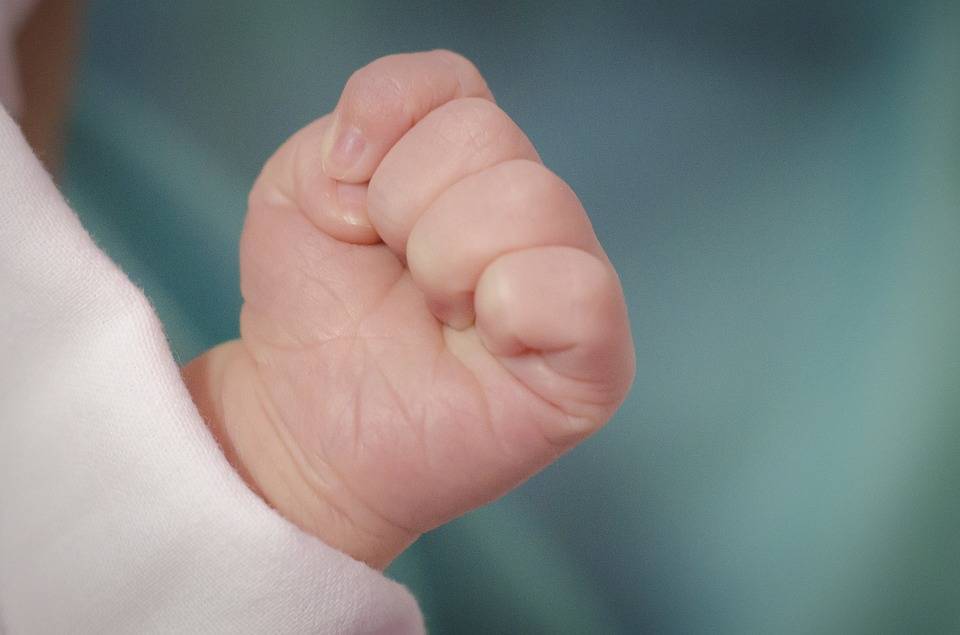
(118, 512)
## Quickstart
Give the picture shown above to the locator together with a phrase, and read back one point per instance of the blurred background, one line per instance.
(778, 184)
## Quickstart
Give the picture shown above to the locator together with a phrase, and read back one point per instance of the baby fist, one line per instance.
(428, 316)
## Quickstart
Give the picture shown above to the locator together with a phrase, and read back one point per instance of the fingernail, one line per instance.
(352, 201)
(342, 149)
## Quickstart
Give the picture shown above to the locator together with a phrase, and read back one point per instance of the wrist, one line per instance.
(225, 386)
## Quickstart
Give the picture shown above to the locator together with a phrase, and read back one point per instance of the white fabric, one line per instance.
(118, 512)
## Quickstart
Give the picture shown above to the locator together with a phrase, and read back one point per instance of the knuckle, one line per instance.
(592, 291)
(597, 284)
(373, 95)
(533, 182)
(466, 71)
(453, 58)
(473, 122)
(534, 191)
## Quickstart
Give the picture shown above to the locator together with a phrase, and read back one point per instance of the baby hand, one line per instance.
(428, 316)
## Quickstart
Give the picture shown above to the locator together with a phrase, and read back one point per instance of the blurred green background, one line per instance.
(779, 186)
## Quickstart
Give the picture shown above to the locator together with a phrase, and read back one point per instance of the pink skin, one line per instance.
(429, 318)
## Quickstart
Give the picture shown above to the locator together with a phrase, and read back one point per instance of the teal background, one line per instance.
(778, 184)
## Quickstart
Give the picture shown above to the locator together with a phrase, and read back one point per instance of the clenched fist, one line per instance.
(428, 316)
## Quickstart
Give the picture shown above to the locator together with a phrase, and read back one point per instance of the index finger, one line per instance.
(384, 99)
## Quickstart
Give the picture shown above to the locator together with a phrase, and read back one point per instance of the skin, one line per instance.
(46, 48)
(428, 316)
